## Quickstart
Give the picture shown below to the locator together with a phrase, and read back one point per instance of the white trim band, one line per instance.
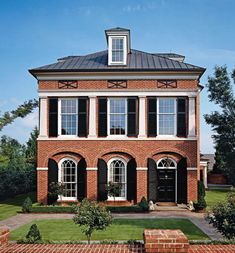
(142, 168)
(116, 93)
(42, 169)
(91, 168)
(191, 168)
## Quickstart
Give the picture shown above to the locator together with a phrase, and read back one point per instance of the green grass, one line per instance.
(121, 229)
(10, 207)
(215, 196)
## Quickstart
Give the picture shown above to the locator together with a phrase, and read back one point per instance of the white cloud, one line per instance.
(30, 120)
(142, 6)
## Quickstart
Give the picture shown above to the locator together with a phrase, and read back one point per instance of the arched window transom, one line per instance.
(117, 174)
(68, 176)
(166, 163)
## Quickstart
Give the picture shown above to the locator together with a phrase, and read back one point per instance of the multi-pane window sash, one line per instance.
(166, 118)
(117, 116)
(117, 49)
(68, 116)
(69, 178)
(117, 174)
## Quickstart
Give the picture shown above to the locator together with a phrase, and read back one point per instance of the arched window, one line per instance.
(166, 163)
(117, 174)
(68, 176)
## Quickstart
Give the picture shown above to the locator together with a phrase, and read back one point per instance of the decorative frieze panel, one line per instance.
(117, 84)
(67, 84)
(166, 83)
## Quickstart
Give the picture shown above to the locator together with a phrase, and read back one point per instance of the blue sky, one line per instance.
(34, 33)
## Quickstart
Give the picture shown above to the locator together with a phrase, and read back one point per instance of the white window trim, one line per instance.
(175, 118)
(61, 197)
(60, 118)
(115, 136)
(110, 41)
(108, 165)
(170, 168)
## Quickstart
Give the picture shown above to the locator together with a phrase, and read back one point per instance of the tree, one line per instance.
(31, 148)
(91, 216)
(21, 112)
(223, 121)
(114, 189)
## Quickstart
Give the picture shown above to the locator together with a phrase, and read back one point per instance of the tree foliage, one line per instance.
(21, 112)
(223, 216)
(223, 120)
(114, 189)
(91, 217)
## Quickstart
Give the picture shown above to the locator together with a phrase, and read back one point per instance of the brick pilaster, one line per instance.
(42, 186)
(142, 179)
(92, 183)
(192, 185)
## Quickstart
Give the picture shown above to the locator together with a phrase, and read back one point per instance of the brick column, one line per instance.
(42, 185)
(91, 183)
(4, 236)
(141, 184)
(192, 184)
(165, 240)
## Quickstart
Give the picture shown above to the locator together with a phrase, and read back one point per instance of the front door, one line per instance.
(166, 185)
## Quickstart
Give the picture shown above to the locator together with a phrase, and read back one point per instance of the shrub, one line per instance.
(144, 204)
(33, 235)
(27, 205)
(91, 217)
(53, 209)
(201, 203)
(52, 198)
(223, 216)
(125, 209)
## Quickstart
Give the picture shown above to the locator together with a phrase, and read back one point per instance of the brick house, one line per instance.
(119, 115)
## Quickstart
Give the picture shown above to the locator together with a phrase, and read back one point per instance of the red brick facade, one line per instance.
(140, 150)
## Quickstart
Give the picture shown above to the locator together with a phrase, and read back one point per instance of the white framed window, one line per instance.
(117, 173)
(117, 50)
(117, 116)
(68, 116)
(68, 176)
(166, 116)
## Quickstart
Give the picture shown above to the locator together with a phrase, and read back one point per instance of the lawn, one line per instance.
(10, 207)
(215, 196)
(121, 229)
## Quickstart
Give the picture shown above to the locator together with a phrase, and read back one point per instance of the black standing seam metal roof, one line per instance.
(136, 61)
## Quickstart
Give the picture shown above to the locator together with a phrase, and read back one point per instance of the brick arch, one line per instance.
(76, 157)
(109, 153)
(60, 153)
(124, 156)
(173, 153)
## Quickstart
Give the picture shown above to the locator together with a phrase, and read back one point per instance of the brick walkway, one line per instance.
(69, 248)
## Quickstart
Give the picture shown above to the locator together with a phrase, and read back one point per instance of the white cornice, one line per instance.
(117, 75)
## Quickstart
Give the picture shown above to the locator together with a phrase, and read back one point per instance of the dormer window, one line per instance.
(117, 50)
(118, 45)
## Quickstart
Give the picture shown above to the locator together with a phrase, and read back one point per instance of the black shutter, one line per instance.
(152, 117)
(52, 172)
(152, 180)
(182, 181)
(82, 117)
(53, 117)
(131, 180)
(102, 117)
(131, 118)
(81, 179)
(181, 117)
(102, 180)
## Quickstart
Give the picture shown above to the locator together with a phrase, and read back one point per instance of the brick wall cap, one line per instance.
(4, 230)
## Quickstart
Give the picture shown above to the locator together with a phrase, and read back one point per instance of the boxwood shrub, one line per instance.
(71, 209)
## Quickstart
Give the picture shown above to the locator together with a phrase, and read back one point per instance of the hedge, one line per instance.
(52, 209)
(70, 209)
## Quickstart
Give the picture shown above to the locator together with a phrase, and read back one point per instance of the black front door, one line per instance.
(166, 185)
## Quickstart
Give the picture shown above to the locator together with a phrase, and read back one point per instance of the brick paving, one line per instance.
(82, 248)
